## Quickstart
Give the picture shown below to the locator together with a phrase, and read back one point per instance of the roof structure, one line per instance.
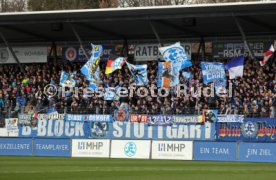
(187, 21)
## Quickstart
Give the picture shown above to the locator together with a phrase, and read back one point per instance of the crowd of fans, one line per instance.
(23, 92)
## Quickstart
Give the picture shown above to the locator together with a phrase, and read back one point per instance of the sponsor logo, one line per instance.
(4, 55)
(71, 54)
(130, 149)
(99, 129)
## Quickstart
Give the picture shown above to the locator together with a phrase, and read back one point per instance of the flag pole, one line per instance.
(155, 33)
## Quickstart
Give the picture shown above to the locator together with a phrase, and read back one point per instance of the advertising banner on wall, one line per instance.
(257, 152)
(252, 129)
(128, 130)
(52, 147)
(234, 49)
(16, 146)
(136, 149)
(215, 151)
(31, 54)
(150, 52)
(76, 54)
(181, 150)
(90, 148)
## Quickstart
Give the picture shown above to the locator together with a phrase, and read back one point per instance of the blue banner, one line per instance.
(257, 152)
(215, 151)
(16, 146)
(212, 71)
(52, 147)
(76, 54)
(89, 117)
(139, 73)
(252, 129)
(56, 129)
(67, 79)
(160, 120)
(128, 130)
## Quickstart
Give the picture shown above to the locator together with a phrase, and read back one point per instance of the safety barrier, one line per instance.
(140, 149)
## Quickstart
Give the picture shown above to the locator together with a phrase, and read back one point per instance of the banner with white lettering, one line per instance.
(182, 119)
(234, 49)
(181, 150)
(90, 148)
(128, 130)
(52, 147)
(32, 54)
(89, 117)
(16, 146)
(150, 52)
(212, 71)
(12, 127)
(134, 149)
(231, 118)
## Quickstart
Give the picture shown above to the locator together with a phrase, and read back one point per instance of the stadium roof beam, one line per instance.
(177, 27)
(79, 39)
(244, 37)
(100, 30)
(258, 22)
(11, 50)
(20, 30)
(155, 33)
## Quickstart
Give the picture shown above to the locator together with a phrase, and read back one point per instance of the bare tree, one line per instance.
(13, 5)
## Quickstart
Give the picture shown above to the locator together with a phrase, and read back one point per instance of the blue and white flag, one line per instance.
(91, 68)
(67, 79)
(110, 94)
(175, 53)
(212, 71)
(187, 75)
(139, 73)
(235, 67)
(220, 87)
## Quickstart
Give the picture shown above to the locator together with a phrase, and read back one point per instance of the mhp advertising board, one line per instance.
(52, 147)
(181, 150)
(251, 129)
(257, 152)
(90, 148)
(16, 146)
(215, 151)
(134, 149)
(128, 130)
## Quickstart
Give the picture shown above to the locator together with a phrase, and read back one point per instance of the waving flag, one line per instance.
(113, 65)
(267, 55)
(139, 74)
(67, 79)
(168, 75)
(235, 67)
(91, 68)
(175, 53)
(212, 71)
(187, 75)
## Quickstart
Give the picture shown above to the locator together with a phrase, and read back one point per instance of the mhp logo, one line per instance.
(130, 149)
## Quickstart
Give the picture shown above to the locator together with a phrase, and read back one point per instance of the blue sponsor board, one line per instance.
(251, 129)
(52, 147)
(215, 151)
(160, 120)
(128, 130)
(76, 54)
(16, 146)
(257, 152)
(88, 117)
(56, 129)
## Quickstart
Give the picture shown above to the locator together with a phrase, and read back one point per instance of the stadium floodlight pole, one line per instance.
(79, 39)
(12, 52)
(243, 37)
(155, 33)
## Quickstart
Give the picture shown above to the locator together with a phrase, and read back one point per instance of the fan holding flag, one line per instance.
(267, 55)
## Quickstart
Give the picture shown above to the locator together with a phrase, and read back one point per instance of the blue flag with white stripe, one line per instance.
(235, 67)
